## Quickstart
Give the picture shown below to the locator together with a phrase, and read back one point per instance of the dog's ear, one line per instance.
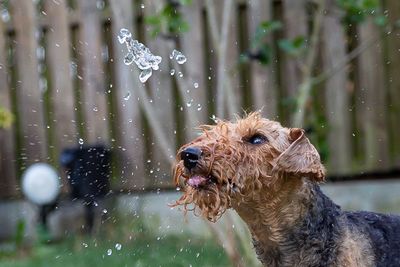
(300, 158)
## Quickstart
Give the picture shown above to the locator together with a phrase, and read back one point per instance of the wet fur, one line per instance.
(274, 189)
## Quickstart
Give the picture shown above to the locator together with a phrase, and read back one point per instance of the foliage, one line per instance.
(261, 49)
(6, 118)
(169, 20)
(357, 11)
(293, 47)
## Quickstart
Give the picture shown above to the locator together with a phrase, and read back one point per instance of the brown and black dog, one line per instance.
(269, 175)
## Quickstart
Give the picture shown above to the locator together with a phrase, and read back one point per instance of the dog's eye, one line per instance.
(257, 139)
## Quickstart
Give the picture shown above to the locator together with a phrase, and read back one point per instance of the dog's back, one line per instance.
(384, 234)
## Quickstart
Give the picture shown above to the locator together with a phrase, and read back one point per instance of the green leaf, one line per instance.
(185, 2)
(380, 20)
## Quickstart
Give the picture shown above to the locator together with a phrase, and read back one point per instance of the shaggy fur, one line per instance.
(270, 174)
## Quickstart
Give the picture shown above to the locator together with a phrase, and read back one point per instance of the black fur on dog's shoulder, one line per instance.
(384, 234)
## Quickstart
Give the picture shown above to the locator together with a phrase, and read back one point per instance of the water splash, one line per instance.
(140, 54)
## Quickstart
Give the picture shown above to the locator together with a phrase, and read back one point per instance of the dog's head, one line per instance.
(232, 162)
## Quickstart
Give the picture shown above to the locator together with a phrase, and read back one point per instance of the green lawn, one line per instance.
(142, 250)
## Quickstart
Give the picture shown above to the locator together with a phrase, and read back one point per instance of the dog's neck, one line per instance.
(298, 216)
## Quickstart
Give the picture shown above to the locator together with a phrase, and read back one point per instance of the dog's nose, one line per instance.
(190, 157)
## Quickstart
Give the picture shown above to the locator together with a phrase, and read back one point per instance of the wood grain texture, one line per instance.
(129, 132)
(8, 179)
(337, 95)
(372, 102)
(263, 77)
(30, 99)
(93, 82)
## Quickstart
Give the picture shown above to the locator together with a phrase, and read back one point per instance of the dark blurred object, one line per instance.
(88, 168)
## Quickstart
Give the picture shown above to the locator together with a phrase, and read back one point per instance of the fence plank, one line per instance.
(130, 151)
(30, 102)
(193, 47)
(263, 80)
(62, 95)
(93, 83)
(232, 89)
(337, 98)
(161, 91)
(8, 180)
(295, 25)
(372, 113)
(393, 57)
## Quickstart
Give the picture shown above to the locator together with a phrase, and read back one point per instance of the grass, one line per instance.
(140, 251)
(139, 247)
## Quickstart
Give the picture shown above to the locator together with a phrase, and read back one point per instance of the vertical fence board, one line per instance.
(295, 25)
(30, 102)
(130, 150)
(161, 91)
(263, 82)
(233, 90)
(372, 96)
(393, 54)
(8, 181)
(193, 47)
(337, 98)
(93, 83)
(62, 96)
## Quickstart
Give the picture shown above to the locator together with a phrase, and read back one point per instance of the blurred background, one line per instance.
(68, 100)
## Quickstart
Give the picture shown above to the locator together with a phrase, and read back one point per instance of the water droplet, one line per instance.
(180, 74)
(118, 246)
(178, 56)
(181, 59)
(172, 72)
(109, 252)
(145, 74)
(196, 85)
(105, 211)
(85, 245)
(80, 141)
(199, 107)
(95, 109)
(142, 6)
(189, 104)
(127, 96)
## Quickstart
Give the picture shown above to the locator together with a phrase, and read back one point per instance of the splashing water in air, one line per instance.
(140, 54)
(178, 56)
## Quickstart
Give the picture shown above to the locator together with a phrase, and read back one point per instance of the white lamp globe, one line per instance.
(40, 184)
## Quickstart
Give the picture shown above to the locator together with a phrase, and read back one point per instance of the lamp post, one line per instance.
(41, 186)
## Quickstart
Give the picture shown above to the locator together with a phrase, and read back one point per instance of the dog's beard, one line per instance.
(210, 201)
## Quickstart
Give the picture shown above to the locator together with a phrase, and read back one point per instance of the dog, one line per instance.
(270, 176)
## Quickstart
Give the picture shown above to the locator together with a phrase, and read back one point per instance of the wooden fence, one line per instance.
(62, 75)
